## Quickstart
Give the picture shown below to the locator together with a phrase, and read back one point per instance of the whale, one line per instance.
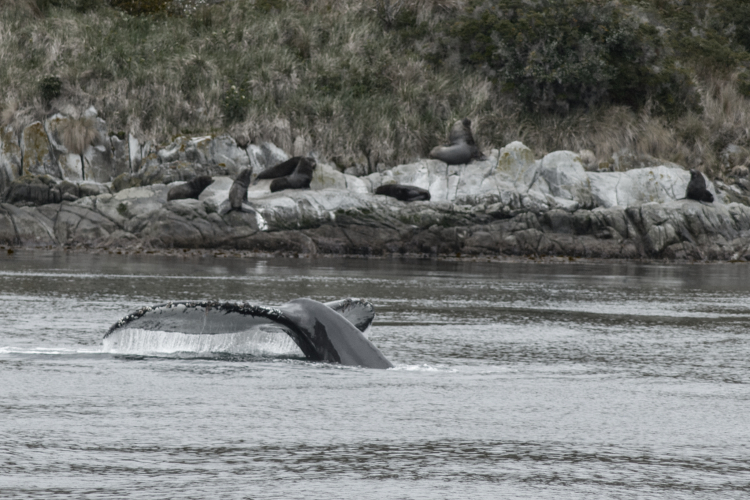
(329, 332)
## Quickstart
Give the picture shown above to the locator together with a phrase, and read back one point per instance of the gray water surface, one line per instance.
(542, 381)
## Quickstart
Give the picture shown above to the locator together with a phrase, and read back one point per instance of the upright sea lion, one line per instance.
(461, 133)
(462, 148)
(238, 191)
(403, 192)
(191, 189)
(696, 188)
(281, 170)
(299, 179)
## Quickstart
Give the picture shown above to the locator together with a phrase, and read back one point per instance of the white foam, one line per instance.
(261, 341)
(423, 368)
(50, 351)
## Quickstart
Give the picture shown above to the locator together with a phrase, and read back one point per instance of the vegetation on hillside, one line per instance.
(380, 81)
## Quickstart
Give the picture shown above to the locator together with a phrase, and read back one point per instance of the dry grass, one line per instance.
(326, 73)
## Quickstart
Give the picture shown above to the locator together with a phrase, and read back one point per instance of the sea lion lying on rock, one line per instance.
(300, 178)
(696, 188)
(403, 192)
(462, 148)
(281, 170)
(191, 189)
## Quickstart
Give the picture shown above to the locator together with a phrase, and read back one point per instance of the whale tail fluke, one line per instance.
(331, 332)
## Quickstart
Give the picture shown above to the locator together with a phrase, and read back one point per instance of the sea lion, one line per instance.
(299, 179)
(462, 148)
(191, 189)
(281, 170)
(696, 188)
(238, 191)
(403, 192)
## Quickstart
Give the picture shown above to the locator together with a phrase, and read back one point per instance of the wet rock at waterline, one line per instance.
(334, 221)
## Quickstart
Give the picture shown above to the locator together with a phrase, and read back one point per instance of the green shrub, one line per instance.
(141, 7)
(558, 55)
(269, 5)
(50, 87)
(743, 83)
(235, 102)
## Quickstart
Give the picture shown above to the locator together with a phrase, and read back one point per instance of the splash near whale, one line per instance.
(332, 332)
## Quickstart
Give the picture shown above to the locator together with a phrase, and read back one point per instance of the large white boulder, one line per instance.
(641, 185)
(566, 177)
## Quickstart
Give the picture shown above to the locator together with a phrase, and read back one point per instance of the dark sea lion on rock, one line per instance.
(299, 179)
(238, 191)
(462, 148)
(696, 188)
(281, 170)
(191, 189)
(403, 192)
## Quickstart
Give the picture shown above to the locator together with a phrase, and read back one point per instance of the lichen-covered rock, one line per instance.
(37, 157)
(11, 165)
(70, 164)
(517, 163)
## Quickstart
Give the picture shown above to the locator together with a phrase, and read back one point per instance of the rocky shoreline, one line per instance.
(509, 204)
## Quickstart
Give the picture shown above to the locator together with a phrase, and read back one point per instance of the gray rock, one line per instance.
(97, 158)
(120, 155)
(79, 225)
(270, 155)
(165, 173)
(135, 153)
(31, 227)
(31, 190)
(566, 177)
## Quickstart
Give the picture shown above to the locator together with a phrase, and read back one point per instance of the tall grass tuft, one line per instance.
(78, 134)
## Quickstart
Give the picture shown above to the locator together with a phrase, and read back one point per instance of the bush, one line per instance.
(235, 102)
(50, 87)
(141, 7)
(558, 55)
